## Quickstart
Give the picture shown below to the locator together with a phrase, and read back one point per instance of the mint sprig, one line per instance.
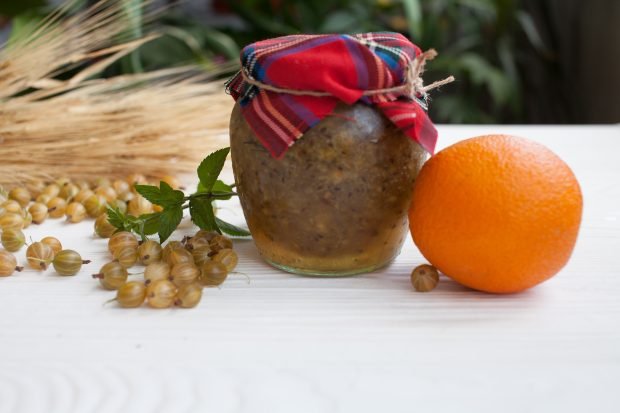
(174, 201)
(210, 168)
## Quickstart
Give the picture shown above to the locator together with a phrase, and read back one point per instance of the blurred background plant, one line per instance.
(516, 61)
(476, 40)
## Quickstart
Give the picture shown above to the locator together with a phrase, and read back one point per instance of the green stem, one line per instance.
(210, 195)
(142, 235)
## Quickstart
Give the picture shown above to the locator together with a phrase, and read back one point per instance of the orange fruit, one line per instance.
(496, 213)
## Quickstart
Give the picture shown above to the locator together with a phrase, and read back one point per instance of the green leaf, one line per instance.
(173, 195)
(220, 188)
(533, 35)
(133, 11)
(231, 229)
(169, 220)
(150, 192)
(413, 13)
(164, 195)
(482, 72)
(202, 214)
(151, 222)
(221, 43)
(116, 218)
(210, 168)
(200, 188)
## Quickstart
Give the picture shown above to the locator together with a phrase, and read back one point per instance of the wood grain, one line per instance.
(364, 344)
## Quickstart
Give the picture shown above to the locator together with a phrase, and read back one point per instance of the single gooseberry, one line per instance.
(196, 242)
(8, 264)
(120, 205)
(75, 212)
(139, 206)
(35, 187)
(220, 242)
(170, 246)
(188, 295)
(177, 256)
(149, 251)
(125, 197)
(122, 239)
(95, 205)
(206, 234)
(228, 257)
(107, 192)
(52, 190)
(43, 199)
(201, 255)
(68, 192)
(27, 218)
(120, 186)
(54, 243)
(101, 182)
(68, 262)
(131, 294)
(172, 181)
(127, 256)
(62, 181)
(111, 276)
(424, 278)
(11, 220)
(39, 256)
(21, 195)
(212, 274)
(39, 213)
(83, 195)
(13, 239)
(103, 228)
(57, 207)
(12, 205)
(134, 179)
(161, 294)
(156, 271)
(184, 273)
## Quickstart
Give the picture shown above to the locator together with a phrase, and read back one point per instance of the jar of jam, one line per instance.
(327, 137)
(337, 202)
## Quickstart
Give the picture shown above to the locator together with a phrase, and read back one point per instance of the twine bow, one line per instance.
(413, 86)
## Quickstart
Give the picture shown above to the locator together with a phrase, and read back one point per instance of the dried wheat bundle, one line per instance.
(154, 123)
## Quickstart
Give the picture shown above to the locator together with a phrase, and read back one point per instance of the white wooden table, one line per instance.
(284, 343)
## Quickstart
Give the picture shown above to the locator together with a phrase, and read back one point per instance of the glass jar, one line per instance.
(336, 204)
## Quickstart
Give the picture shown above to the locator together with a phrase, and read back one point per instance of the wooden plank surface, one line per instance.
(284, 343)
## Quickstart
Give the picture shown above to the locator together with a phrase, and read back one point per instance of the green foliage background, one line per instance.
(479, 42)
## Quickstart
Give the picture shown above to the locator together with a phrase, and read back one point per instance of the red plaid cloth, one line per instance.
(342, 65)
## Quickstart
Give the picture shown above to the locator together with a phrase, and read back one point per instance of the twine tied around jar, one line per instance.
(413, 86)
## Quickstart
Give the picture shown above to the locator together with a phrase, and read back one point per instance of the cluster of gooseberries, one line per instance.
(38, 201)
(174, 275)
(39, 255)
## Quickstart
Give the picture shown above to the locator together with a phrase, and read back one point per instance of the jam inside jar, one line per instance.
(336, 203)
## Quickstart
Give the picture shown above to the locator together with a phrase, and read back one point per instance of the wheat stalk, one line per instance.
(154, 123)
